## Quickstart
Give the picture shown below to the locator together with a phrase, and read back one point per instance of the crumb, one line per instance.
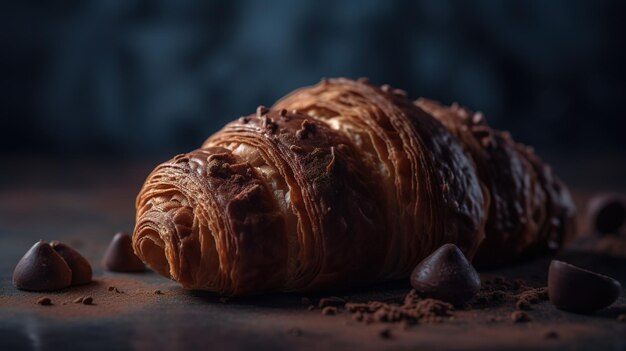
(115, 289)
(305, 301)
(551, 335)
(358, 317)
(44, 301)
(88, 300)
(78, 300)
(223, 299)
(519, 317)
(329, 310)
(413, 310)
(295, 331)
(158, 292)
(622, 317)
(385, 333)
(331, 301)
(311, 307)
(111, 288)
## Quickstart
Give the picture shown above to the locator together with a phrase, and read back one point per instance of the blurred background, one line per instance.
(144, 80)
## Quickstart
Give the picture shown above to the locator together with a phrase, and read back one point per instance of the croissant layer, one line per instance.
(344, 184)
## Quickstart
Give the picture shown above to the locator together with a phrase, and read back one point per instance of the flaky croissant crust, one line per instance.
(355, 184)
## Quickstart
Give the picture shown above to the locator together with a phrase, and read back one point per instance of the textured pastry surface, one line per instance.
(343, 184)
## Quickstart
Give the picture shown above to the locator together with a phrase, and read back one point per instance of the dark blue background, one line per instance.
(157, 77)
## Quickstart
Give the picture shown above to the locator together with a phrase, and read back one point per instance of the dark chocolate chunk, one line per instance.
(80, 267)
(446, 275)
(42, 269)
(574, 289)
(607, 214)
(120, 257)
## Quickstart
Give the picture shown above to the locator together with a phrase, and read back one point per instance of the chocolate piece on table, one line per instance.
(42, 269)
(80, 267)
(578, 290)
(607, 213)
(446, 275)
(44, 301)
(119, 256)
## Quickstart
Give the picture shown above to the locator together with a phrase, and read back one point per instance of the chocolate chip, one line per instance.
(80, 267)
(119, 256)
(42, 269)
(607, 213)
(44, 301)
(446, 275)
(574, 289)
(88, 300)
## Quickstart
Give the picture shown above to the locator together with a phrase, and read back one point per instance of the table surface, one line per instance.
(85, 203)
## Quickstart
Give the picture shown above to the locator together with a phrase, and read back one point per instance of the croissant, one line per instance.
(343, 184)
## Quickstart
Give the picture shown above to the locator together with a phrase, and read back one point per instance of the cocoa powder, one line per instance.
(413, 310)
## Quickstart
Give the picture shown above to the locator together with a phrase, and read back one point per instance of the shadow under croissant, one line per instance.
(534, 272)
(390, 291)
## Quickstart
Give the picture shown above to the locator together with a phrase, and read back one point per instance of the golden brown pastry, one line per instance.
(340, 184)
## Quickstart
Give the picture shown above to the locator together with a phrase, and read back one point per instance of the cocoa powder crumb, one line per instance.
(534, 295)
(519, 317)
(44, 301)
(115, 289)
(329, 310)
(413, 310)
(331, 301)
(88, 300)
(158, 292)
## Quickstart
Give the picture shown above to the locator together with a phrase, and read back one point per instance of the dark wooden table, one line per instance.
(85, 203)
